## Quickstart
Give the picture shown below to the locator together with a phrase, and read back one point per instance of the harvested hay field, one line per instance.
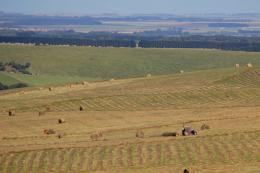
(248, 77)
(211, 150)
(123, 122)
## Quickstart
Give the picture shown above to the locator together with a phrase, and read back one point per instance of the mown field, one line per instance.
(60, 64)
(226, 99)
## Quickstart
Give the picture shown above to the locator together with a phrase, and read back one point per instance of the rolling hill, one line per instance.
(226, 99)
(61, 64)
(118, 108)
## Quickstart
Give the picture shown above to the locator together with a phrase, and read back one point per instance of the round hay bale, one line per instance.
(93, 137)
(81, 108)
(84, 83)
(186, 171)
(237, 65)
(41, 113)
(167, 134)
(182, 71)
(60, 136)
(11, 113)
(149, 75)
(22, 92)
(49, 131)
(249, 65)
(139, 134)
(61, 120)
(100, 136)
(97, 136)
(48, 109)
(204, 127)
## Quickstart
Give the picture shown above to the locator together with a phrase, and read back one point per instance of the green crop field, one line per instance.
(7, 79)
(60, 64)
(211, 91)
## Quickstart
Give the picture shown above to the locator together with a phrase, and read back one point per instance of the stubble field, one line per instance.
(226, 99)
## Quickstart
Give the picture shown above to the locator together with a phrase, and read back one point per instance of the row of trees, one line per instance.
(70, 41)
(244, 46)
(210, 42)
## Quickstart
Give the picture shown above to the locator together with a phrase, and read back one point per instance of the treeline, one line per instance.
(17, 85)
(15, 67)
(228, 25)
(69, 41)
(208, 42)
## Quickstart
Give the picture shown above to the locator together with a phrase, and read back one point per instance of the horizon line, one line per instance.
(130, 14)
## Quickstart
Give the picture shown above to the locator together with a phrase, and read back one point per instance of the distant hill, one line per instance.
(20, 19)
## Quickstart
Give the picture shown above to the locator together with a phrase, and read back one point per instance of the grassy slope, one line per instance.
(42, 80)
(187, 90)
(7, 79)
(226, 99)
(155, 105)
(67, 64)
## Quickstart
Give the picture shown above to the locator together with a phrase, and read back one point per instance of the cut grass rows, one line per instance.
(249, 78)
(238, 89)
(231, 148)
(217, 95)
(164, 100)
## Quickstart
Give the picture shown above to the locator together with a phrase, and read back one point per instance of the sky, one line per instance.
(126, 7)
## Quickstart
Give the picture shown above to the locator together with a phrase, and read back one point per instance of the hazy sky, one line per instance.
(129, 6)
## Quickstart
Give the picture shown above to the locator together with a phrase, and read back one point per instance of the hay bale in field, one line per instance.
(96, 136)
(84, 83)
(249, 65)
(186, 171)
(93, 137)
(237, 65)
(60, 135)
(167, 134)
(61, 120)
(139, 134)
(204, 127)
(50, 88)
(22, 93)
(149, 75)
(48, 109)
(49, 131)
(100, 136)
(11, 113)
(182, 71)
(187, 131)
(81, 108)
(41, 113)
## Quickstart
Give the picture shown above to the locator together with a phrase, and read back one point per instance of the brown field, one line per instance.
(228, 100)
